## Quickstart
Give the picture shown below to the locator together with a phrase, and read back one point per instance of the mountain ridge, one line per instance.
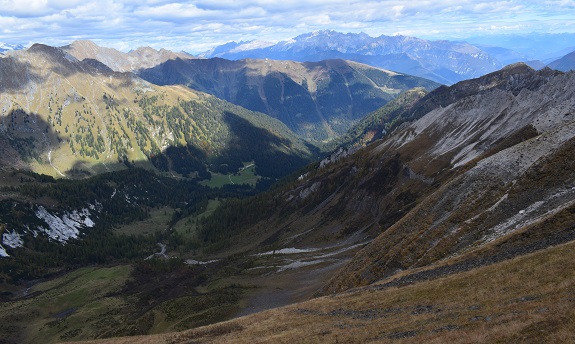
(449, 181)
(317, 100)
(481, 183)
(133, 61)
(59, 112)
(441, 61)
(565, 63)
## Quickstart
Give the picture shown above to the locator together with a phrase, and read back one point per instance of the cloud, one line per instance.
(198, 25)
(173, 10)
(24, 8)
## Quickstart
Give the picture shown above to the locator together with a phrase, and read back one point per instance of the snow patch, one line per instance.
(251, 46)
(197, 262)
(96, 207)
(3, 252)
(12, 240)
(62, 229)
(291, 250)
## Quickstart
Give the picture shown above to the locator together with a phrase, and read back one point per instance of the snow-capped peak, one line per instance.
(251, 46)
(6, 47)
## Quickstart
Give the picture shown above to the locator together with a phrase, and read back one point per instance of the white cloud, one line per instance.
(200, 24)
(24, 8)
(172, 10)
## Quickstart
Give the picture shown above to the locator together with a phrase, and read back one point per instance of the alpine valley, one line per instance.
(158, 197)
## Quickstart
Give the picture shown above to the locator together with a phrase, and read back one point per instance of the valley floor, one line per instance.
(527, 299)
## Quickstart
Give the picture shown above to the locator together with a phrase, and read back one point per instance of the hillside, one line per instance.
(477, 181)
(366, 193)
(453, 214)
(484, 180)
(494, 304)
(459, 177)
(316, 100)
(566, 63)
(445, 62)
(62, 115)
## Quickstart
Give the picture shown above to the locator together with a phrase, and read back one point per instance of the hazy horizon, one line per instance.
(197, 26)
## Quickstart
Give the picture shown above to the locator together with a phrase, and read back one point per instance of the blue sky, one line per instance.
(196, 26)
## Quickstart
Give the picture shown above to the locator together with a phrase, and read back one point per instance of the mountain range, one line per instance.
(463, 197)
(60, 114)
(9, 47)
(439, 213)
(545, 47)
(566, 63)
(133, 61)
(317, 100)
(443, 61)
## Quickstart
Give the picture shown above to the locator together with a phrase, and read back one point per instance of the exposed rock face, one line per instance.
(336, 156)
(483, 173)
(141, 58)
(495, 157)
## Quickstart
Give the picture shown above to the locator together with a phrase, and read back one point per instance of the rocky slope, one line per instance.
(566, 63)
(465, 216)
(317, 100)
(484, 161)
(491, 163)
(141, 58)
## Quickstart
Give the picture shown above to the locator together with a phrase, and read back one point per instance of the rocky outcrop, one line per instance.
(133, 61)
(498, 159)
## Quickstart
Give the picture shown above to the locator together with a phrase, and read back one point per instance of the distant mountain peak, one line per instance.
(142, 57)
(518, 66)
(54, 53)
(84, 43)
(441, 61)
(4, 47)
(566, 63)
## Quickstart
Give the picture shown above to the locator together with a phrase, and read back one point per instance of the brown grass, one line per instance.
(529, 299)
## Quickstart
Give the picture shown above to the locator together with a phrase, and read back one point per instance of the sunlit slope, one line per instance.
(60, 115)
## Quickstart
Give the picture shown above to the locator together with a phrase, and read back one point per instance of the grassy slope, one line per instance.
(317, 100)
(79, 303)
(100, 302)
(526, 299)
(80, 118)
(244, 176)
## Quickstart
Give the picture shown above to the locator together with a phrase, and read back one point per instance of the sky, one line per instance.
(199, 25)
